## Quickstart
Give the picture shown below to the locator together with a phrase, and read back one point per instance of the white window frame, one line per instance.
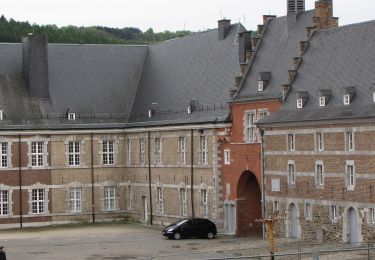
(75, 199)
(322, 101)
(71, 116)
(182, 150)
(129, 144)
(37, 153)
(346, 99)
(1, 115)
(158, 151)
(373, 96)
(299, 103)
(351, 175)
(142, 151)
(319, 142)
(275, 185)
(349, 138)
(4, 152)
(226, 156)
(204, 202)
(108, 152)
(260, 85)
(183, 202)
(203, 150)
(251, 133)
(4, 203)
(319, 173)
(110, 198)
(74, 153)
(291, 142)
(38, 201)
(160, 199)
(291, 173)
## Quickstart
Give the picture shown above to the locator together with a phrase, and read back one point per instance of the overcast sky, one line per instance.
(170, 15)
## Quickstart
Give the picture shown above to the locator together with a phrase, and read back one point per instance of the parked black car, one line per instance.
(188, 227)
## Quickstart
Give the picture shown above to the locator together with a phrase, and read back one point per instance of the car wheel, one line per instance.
(177, 236)
(210, 235)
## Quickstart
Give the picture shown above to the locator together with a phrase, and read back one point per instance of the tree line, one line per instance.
(12, 31)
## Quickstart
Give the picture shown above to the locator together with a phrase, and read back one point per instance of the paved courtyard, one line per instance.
(114, 241)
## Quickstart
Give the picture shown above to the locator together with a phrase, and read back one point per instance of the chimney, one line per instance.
(35, 65)
(295, 6)
(323, 18)
(244, 45)
(224, 28)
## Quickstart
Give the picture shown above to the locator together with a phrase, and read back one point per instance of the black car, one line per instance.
(188, 227)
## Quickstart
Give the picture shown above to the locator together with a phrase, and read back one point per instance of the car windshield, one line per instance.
(180, 222)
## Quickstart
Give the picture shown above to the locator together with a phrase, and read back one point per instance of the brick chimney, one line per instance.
(323, 18)
(35, 65)
(224, 28)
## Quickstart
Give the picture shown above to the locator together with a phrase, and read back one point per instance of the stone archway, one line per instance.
(249, 205)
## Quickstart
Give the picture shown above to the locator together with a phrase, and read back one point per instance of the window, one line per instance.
(291, 143)
(108, 152)
(158, 151)
(74, 153)
(260, 85)
(4, 202)
(110, 198)
(37, 154)
(275, 185)
(372, 216)
(373, 96)
(308, 211)
(182, 150)
(71, 116)
(204, 201)
(130, 197)
(37, 201)
(226, 156)
(129, 150)
(203, 150)
(276, 206)
(319, 144)
(347, 99)
(349, 141)
(4, 155)
(160, 199)
(262, 114)
(250, 128)
(300, 103)
(142, 151)
(322, 101)
(291, 173)
(75, 199)
(183, 202)
(334, 212)
(1, 115)
(319, 174)
(350, 171)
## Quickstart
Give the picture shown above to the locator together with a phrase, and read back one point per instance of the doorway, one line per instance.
(293, 230)
(230, 217)
(145, 209)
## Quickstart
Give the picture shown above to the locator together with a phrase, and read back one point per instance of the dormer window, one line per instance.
(302, 97)
(1, 115)
(322, 101)
(189, 110)
(324, 96)
(347, 99)
(150, 113)
(348, 95)
(373, 96)
(299, 103)
(260, 85)
(263, 79)
(71, 116)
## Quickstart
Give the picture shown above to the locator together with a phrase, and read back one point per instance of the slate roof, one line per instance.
(191, 67)
(335, 59)
(279, 45)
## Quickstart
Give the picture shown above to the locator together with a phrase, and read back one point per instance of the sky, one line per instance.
(172, 15)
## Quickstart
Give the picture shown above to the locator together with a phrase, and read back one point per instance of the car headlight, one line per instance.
(170, 230)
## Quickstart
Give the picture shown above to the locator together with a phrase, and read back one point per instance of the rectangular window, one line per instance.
(349, 141)
(109, 198)
(322, 101)
(182, 150)
(308, 211)
(37, 153)
(130, 197)
(347, 99)
(291, 173)
(226, 156)
(275, 185)
(276, 206)
(160, 199)
(183, 202)
(250, 128)
(4, 155)
(372, 216)
(319, 174)
(351, 175)
(74, 153)
(158, 151)
(260, 85)
(319, 142)
(4, 202)
(142, 151)
(37, 201)
(108, 152)
(75, 199)
(1, 115)
(291, 143)
(262, 114)
(129, 150)
(204, 201)
(334, 212)
(203, 150)
(300, 103)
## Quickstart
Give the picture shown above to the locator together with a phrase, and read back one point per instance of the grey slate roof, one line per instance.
(279, 45)
(335, 59)
(191, 67)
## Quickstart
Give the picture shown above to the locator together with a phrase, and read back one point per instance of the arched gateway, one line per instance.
(249, 207)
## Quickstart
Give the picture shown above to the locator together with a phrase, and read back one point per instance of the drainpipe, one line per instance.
(192, 172)
(263, 181)
(92, 177)
(149, 175)
(20, 178)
